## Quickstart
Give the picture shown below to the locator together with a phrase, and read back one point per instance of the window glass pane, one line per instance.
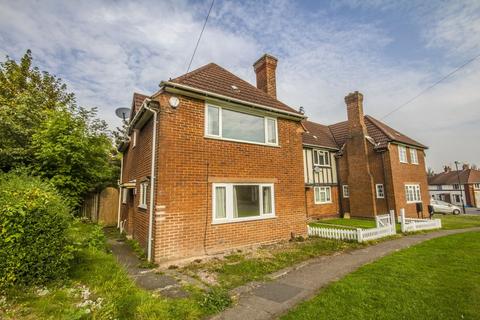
(267, 200)
(271, 131)
(245, 201)
(241, 126)
(328, 194)
(220, 203)
(317, 194)
(213, 121)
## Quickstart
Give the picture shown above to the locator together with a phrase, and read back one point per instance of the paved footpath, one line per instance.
(271, 299)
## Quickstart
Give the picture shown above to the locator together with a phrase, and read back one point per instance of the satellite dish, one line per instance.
(122, 113)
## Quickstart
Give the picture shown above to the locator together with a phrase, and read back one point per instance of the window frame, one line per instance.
(413, 159)
(414, 192)
(345, 194)
(229, 218)
(400, 153)
(326, 157)
(124, 195)
(220, 126)
(318, 201)
(382, 195)
(476, 186)
(142, 199)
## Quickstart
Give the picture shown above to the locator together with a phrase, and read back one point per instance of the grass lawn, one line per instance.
(458, 222)
(98, 288)
(242, 267)
(437, 279)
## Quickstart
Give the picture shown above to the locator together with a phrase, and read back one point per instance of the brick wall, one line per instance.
(137, 166)
(188, 163)
(406, 173)
(324, 210)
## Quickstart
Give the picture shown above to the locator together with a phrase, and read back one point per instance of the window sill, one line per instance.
(330, 202)
(225, 221)
(406, 162)
(411, 202)
(142, 207)
(242, 141)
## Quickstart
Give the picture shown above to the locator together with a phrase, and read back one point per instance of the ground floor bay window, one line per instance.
(239, 202)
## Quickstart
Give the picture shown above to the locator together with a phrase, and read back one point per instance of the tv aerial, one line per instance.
(123, 113)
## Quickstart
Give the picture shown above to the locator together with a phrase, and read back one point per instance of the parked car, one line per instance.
(444, 207)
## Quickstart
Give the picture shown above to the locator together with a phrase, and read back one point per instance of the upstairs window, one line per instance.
(402, 154)
(476, 185)
(456, 186)
(321, 158)
(238, 126)
(143, 195)
(413, 156)
(346, 192)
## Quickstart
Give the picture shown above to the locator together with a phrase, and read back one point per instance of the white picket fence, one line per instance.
(384, 220)
(358, 234)
(412, 224)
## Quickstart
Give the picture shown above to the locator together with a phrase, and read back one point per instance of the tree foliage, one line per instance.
(43, 129)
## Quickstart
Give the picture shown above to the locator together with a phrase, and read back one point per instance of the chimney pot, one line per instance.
(265, 71)
(447, 169)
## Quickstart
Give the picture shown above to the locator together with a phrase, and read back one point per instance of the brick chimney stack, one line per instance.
(356, 121)
(265, 70)
(360, 180)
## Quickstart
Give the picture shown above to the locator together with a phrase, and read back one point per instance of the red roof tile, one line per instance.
(215, 79)
(318, 135)
(467, 176)
(137, 101)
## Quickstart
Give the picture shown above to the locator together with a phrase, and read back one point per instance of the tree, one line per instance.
(44, 130)
(73, 150)
(26, 94)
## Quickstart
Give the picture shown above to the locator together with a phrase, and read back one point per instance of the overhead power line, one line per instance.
(200, 36)
(430, 87)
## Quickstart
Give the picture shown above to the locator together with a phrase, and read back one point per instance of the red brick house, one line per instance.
(362, 167)
(454, 186)
(214, 163)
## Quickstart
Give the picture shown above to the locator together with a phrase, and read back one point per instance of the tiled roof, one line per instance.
(215, 79)
(137, 101)
(451, 177)
(318, 135)
(337, 133)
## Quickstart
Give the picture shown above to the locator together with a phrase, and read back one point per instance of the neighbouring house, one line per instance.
(454, 186)
(214, 163)
(362, 167)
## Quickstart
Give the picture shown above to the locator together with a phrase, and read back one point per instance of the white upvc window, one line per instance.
(322, 195)
(402, 154)
(413, 156)
(236, 202)
(227, 124)
(412, 193)
(321, 158)
(134, 138)
(346, 191)
(476, 185)
(380, 190)
(124, 195)
(143, 195)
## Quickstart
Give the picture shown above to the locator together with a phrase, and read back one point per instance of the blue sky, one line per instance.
(388, 50)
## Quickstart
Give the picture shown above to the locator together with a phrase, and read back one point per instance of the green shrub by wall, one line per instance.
(34, 221)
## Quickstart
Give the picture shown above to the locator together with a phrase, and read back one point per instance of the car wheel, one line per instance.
(455, 212)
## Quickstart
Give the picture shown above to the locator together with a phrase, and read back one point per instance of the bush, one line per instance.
(34, 222)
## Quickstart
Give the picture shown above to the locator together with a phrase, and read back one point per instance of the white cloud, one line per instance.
(107, 50)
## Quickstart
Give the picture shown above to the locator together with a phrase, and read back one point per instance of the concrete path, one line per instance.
(269, 300)
(145, 278)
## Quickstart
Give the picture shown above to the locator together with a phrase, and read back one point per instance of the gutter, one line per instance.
(222, 97)
(152, 178)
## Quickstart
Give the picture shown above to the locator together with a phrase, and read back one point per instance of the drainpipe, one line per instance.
(152, 181)
(120, 193)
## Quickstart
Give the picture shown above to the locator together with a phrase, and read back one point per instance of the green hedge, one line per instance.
(34, 221)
